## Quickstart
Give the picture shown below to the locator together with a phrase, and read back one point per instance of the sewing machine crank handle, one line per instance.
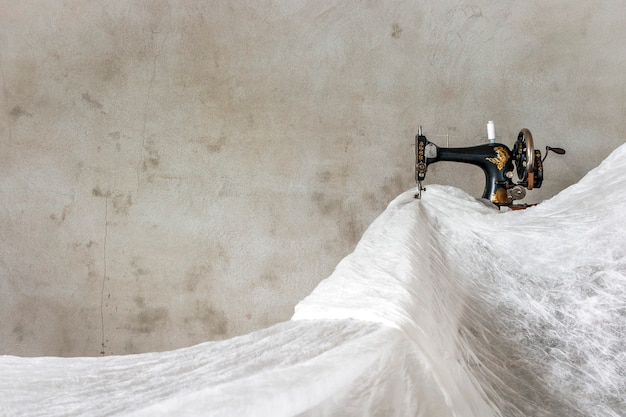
(558, 151)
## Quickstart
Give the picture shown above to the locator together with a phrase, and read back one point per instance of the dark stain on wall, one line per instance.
(58, 219)
(270, 278)
(352, 230)
(334, 207)
(17, 112)
(373, 201)
(116, 136)
(207, 322)
(325, 177)
(140, 301)
(43, 319)
(221, 257)
(137, 270)
(327, 205)
(196, 275)
(216, 146)
(109, 69)
(216, 320)
(129, 347)
(121, 202)
(25, 82)
(396, 31)
(130, 41)
(86, 253)
(93, 103)
(337, 176)
(18, 332)
(153, 159)
(150, 319)
(97, 192)
(212, 144)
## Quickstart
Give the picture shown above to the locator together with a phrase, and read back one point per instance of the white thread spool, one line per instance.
(491, 131)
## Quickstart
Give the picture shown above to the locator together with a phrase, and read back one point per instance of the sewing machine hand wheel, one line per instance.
(524, 151)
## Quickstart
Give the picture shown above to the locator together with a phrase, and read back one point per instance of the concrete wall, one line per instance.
(179, 171)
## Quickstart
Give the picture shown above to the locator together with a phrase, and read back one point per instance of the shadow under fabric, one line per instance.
(447, 307)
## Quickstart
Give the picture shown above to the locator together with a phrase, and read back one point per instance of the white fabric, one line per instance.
(280, 371)
(447, 307)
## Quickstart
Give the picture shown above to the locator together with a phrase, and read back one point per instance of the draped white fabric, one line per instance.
(447, 307)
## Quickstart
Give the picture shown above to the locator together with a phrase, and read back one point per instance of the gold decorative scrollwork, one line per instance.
(502, 156)
(500, 196)
(420, 153)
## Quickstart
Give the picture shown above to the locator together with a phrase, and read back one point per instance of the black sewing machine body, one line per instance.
(498, 162)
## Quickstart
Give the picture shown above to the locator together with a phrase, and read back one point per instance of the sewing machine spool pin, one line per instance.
(497, 161)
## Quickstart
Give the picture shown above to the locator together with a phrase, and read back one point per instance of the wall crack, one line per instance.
(104, 273)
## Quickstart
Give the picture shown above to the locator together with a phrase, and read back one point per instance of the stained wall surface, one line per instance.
(173, 172)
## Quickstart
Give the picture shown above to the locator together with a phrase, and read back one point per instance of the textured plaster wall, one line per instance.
(178, 171)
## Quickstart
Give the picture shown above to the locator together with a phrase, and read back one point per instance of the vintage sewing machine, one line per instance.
(498, 162)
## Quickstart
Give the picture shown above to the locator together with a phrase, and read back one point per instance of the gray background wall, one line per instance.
(179, 171)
